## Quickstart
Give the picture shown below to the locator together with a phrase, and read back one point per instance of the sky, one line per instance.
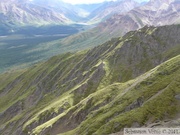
(85, 1)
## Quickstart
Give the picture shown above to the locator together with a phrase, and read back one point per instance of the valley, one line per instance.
(88, 69)
(83, 32)
(31, 45)
(23, 51)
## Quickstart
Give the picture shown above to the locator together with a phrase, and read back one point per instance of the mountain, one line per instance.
(40, 12)
(130, 81)
(72, 12)
(25, 13)
(155, 13)
(160, 12)
(17, 15)
(108, 9)
(28, 28)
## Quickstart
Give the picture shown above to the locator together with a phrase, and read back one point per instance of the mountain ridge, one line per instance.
(63, 94)
(120, 24)
(108, 9)
(15, 14)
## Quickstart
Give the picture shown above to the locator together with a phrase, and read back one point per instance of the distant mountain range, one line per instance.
(155, 12)
(32, 12)
(16, 13)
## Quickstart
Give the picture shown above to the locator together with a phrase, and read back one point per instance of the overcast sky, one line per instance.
(85, 1)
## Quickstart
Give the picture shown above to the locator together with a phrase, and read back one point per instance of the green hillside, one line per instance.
(131, 81)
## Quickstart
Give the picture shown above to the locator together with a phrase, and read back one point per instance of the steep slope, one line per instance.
(24, 12)
(160, 12)
(151, 100)
(39, 12)
(156, 13)
(113, 7)
(72, 12)
(15, 14)
(105, 86)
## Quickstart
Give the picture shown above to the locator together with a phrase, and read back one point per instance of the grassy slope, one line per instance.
(155, 90)
(72, 90)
